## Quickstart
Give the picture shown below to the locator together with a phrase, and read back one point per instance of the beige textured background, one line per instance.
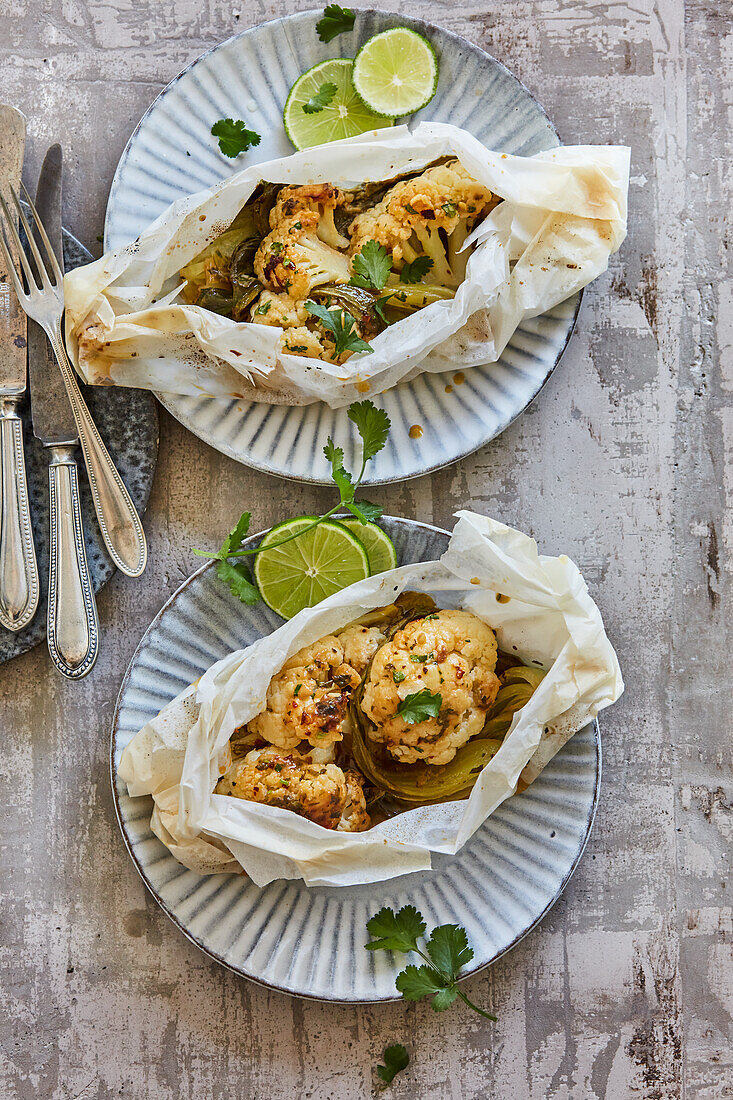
(626, 990)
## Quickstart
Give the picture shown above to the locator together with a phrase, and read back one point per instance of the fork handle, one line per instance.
(72, 625)
(118, 520)
(18, 568)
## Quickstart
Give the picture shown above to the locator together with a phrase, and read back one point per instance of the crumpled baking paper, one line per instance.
(549, 617)
(564, 214)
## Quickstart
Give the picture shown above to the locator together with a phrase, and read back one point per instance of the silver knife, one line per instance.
(18, 569)
(73, 628)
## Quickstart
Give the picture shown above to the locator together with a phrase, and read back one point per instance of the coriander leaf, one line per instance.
(238, 578)
(365, 511)
(371, 266)
(234, 137)
(448, 948)
(414, 272)
(398, 676)
(263, 308)
(379, 308)
(372, 424)
(395, 931)
(321, 99)
(336, 20)
(444, 998)
(396, 1059)
(235, 538)
(415, 982)
(341, 476)
(341, 325)
(419, 706)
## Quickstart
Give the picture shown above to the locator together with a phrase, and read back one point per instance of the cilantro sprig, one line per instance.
(335, 20)
(396, 1059)
(445, 952)
(420, 705)
(372, 266)
(373, 426)
(341, 326)
(417, 270)
(234, 137)
(321, 99)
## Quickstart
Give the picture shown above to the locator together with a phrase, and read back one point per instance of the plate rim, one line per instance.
(212, 954)
(265, 465)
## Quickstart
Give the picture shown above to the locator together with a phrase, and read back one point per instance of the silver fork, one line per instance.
(44, 301)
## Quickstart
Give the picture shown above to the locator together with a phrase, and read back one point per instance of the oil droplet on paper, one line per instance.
(415, 431)
(459, 378)
(501, 598)
(449, 389)
(363, 387)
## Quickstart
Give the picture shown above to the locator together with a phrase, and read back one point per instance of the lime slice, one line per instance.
(303, 572)
(396, 72)
(379, 547)
(344, 116)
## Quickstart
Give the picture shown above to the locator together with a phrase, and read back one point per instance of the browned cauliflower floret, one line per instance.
(429, 215)
(360, 644)
(320, 198)
(293, 259)
(320, 792)
(279, 310)
(452, 653)
(308, 699)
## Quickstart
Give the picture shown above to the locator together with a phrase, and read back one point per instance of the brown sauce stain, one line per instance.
(501, 598)
(459, 378)
(415, 431)
(363, 387)
(449, 389)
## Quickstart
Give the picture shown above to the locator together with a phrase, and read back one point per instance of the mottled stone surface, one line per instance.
(626, 990)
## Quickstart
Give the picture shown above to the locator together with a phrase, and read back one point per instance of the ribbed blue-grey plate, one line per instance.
(172, 154)
(310, 941)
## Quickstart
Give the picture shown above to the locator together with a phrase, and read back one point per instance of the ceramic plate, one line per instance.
(172, 154)
(128, 421)
(310, 940)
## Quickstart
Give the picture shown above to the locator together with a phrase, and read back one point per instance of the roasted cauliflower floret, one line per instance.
(321, 199)
(452, 653)
(304, 341)
(292, 258)
(428, 215)
(360, 644)
(279, 310)
(308, 699)
(320, 792)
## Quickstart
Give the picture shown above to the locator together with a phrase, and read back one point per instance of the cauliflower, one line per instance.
(308, 699)
(293, 259)
(452, 653)
(279, 310)
(360, 644)
(430, 214)
(319, 198)
(292, 781)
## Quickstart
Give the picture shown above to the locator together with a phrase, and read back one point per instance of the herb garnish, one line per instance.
(398, 676)
(373, 426)
(396, 1059)
(234, 137)
(321, 99)
(336, 20)
(414, 272)
(446, 952)
(372, 266)
(263, 308)
(342, 327)
(419, 706)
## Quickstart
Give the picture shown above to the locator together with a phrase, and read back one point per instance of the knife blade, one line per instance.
(53, 418)
(12, 316)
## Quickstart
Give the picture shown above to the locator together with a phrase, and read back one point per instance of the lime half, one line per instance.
(345, 115)
(379, 546)
(396, 72)
(310, 567)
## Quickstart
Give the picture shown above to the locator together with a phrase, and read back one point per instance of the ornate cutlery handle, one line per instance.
(73, 628)
(119, 522)
(18, 569)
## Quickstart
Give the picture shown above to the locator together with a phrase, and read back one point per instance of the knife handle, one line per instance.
(73, 628)
(18, 568)
(118, 520)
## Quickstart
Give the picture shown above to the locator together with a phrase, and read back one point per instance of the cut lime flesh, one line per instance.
(396, 72)
(320, 561)
(345, 116)
(378, 545)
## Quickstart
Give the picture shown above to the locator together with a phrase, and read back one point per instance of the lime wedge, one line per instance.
(344, 116)
(310, 567)
(379, 546)
(396, 72)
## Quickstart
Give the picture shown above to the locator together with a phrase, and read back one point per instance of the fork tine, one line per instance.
(40, 265)
(44, 237)
(12, 273)
(9, 227)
